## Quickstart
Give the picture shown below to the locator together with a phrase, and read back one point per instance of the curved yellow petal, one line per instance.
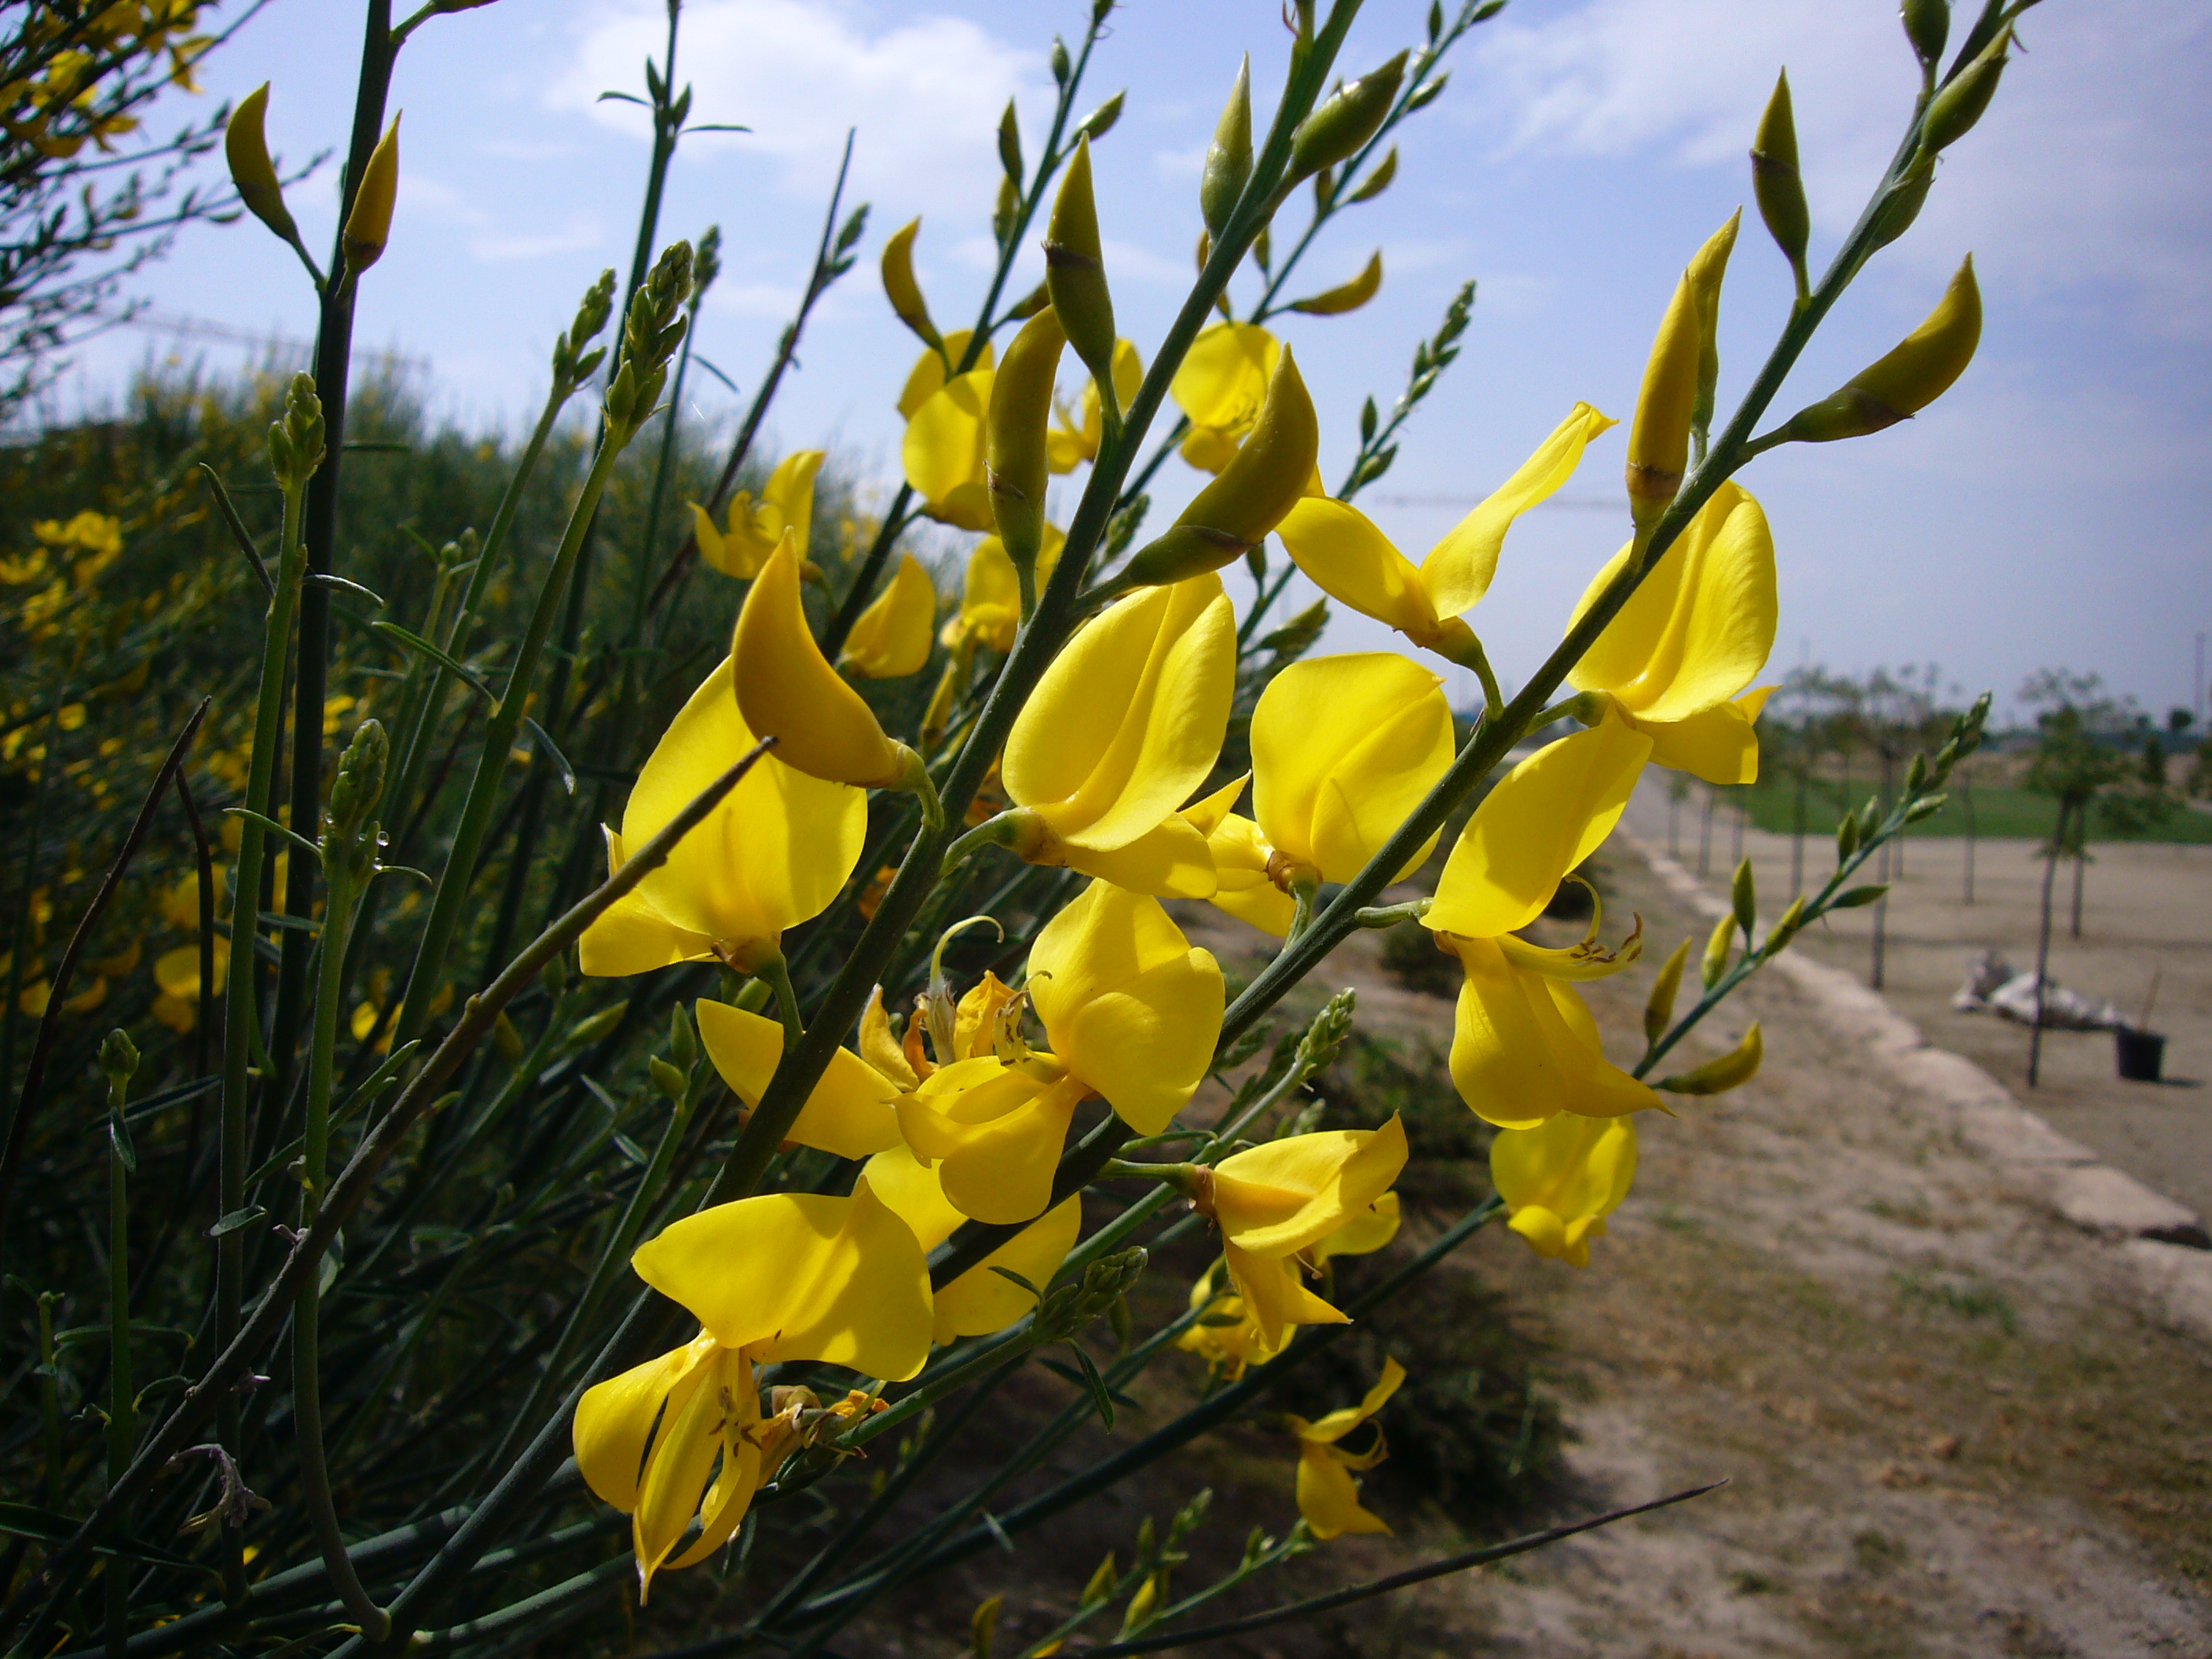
(1328, 1429)
(1223, 379)
(852, 1110)
(943, 451)
(1275, 1297)
(1128, 1005)
(1127, 721)
(776, 851)
(979, 1301)
(1524, 1049)
(1367, 1231)
(1459, 568)
(1343, 748)
(1720, 745)
(994, 1135)
(892, 637)
(927, 373)
(1562, 1178)
(799, 1276)
(1328, 1498)
(614, 1420)
(1169, 860)
(684, 1449)
(715, 551)
(787, 689)
(1241, 885)
(1283, 1197)
(1352, 560)
(788, 500)
(1699, 627)
(1546, 817)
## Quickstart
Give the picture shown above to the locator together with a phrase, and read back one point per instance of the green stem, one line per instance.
(122, 1415)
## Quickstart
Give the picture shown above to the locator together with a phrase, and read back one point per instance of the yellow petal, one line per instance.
(852, 1110)
(776, 851)
(1128, 1005)
(1699, 627)
(1343, 748)
(1524, 1049)
(1546, 817)
(1352, 560)
(1365, 1233)
(943, 451)
(1328, 1430)
(1564, 1177)
(1275, 1297)
(929, 371)
(1241, 885)
(631, 936)
(1459, 568)
(1169, 860)
(880, 1049)
(787, 502)
(712, 547)
(995, 1135)
(1328, 1498)
(892, 638)
(799, 1276)
(1128, 718)
(1278, 1198)
(1223, 379)
(614, 1420)
(787, 689)
(684, 1449)
(1720, 746)
(979, 1301)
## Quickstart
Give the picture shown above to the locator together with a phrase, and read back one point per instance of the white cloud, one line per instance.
(924, 94)
(2086, 175)
(1181, 163)
(582, 231)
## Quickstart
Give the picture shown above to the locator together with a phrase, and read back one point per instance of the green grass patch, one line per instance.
(1996, 812)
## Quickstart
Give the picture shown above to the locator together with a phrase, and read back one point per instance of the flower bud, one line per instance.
(1743, 898)
(1344, 297)
(1732, 1070)
(1076, 273)
(1779, 935)
(1253, 493)
(571, 363)
(1847, 836)
(1344, 121)
(1919, 370)
(1100, 121)
(1229, 157)
(668, 1081)
(368, 226)
(1927, 25)
(900, 287)
(119, 1057)
(1900, 204)
(1659, 1008)
(507, 1039)
(360, 782)
(1379, 180)
(593, 1027)
(1016, 467)
(1775, 182)
(295, 442)
(1718, 946)
(1659, 440)
(1705, 272)
(245, 148)
(1953, 110)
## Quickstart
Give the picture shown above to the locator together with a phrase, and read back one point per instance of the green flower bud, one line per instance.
(368, 226)
(1900, 204)
(902, 290)
(572, 364)
(1743, 898)
(245, 148)
(1775, 181)
(1718, 946)
(1379, 180)
(1847, 837)
(1953, 110)
(706, 264)
(1229, 157)
(1919, 370)
(118, 1058)
(1075, 271)
(1859, 896)
(1260, 484)
(1783, 931)
(1100, 121)
(1927, 25)
(1344, 121)
(1659, 437)
(507, 1039)
(1060, 66)
(360, 782)
(1659, 1007)
(1732, 1070)
(1015, 468)
(667, 1080)
(295, 442)
(586, 1031)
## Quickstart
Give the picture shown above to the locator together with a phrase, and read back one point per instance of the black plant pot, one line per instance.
(2140, 1053)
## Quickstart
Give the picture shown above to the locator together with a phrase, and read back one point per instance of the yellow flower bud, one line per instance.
(1659, 1007)
(1253, 494)
(1344, 297)
(1732, 1070)
(1016, 452)
(1705, 272)
(1918, 371)
(1229, 158)
(1344, 120)
(1718, 947)
(245, 147)
(368, 226)
(1775, 181)
(1075, 271)
(900, 287)
(1659, 439)
(787, 689)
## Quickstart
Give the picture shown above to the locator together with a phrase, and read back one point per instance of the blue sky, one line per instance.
(2052, 509)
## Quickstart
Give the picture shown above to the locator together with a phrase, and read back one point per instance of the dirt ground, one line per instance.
(2147, 907)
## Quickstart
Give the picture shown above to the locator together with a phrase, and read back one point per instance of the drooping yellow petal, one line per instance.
(776, 851)
(1546, 817)
(787, 689)
(1281, 1197)
(1343, 748)
(994, 1135)
(684, 1449)
(1169, 860)
(1328, 1429)
(991, 599)
(1699, 627)
(1275, 1297)
(979, 1301)
(927, 373)
(943, 452)
(1720, 745)
(787, 503)
(1365, 1233)
(1128, 718)
(799, 1276)
(1127, 1005)
(1562, 1178)
(1220, 385)
(892, 638)
(1353, 561)
(1328, 1498)
(1459, 568)
(614, 1420)
(1524, 1049)
(853, 1110)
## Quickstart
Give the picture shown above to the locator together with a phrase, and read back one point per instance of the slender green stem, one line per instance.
(122, 1413)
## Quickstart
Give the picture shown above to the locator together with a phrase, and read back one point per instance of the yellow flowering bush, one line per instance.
(727, 1011)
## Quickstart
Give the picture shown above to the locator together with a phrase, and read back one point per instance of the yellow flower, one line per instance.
(1131, 1012)
(1351, 560)
(927, 377)
(943, 452)
(1274, 1203)
(775, 853)
(1226, 1337)
(783, 1277)
(787, 689)
(1343, 748)
(1123, 726)
(991, 597)
(1562, 1178)
(892, 638)
(787, 503)
(850, 1111)
(1220, 385)
(1074, 439)
(1524, 1046)
(1328, 1498)
(979, 1301)
(1692, 635)
(178, 974)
